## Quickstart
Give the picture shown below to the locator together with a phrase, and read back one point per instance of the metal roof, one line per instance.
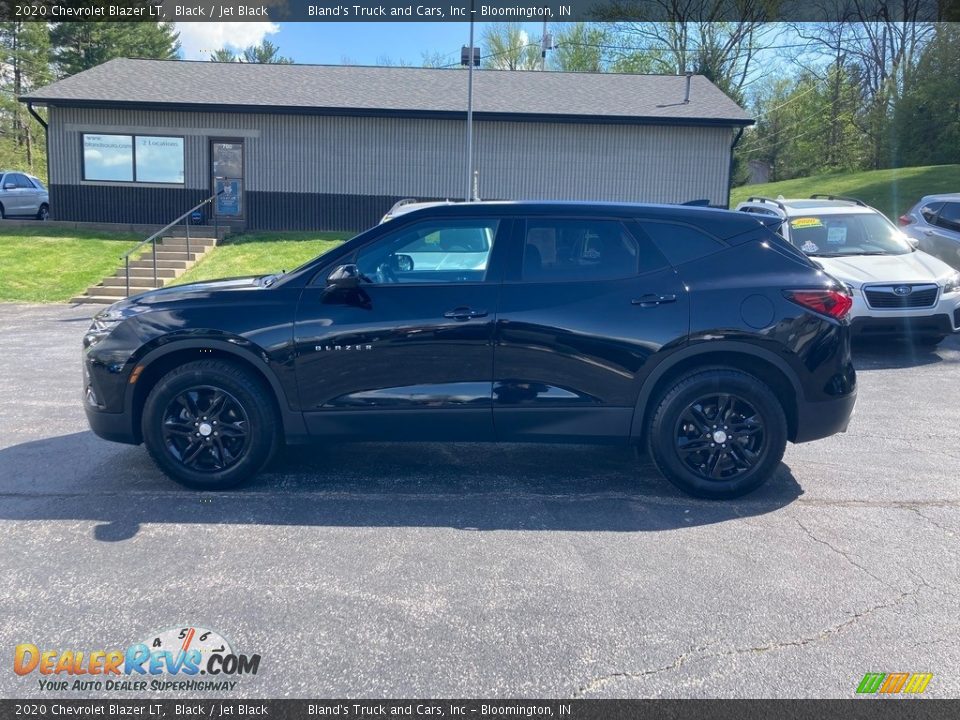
(422, 92)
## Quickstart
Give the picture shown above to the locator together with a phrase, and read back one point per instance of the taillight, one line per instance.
(835, 303)
(904, 220)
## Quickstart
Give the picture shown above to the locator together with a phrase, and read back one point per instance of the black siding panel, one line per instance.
(121, 204)
(316, 211)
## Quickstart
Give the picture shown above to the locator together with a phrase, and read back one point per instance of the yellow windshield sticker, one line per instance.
(805, 222)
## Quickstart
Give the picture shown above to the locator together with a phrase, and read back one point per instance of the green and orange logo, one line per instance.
(894, 683)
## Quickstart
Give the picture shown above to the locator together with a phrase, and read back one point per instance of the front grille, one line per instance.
(885, 297)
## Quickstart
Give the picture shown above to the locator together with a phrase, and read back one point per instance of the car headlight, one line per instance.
(103, 324)
(952, 283)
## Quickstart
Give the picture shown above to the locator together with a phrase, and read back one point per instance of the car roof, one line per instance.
(799, 206)
(939, 196)
(722, 224)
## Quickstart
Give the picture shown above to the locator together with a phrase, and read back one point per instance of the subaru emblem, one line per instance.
(902, 290)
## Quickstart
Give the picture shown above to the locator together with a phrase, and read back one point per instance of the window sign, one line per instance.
(228, 198)
(159, 159)
(108, 157)
(133, 158)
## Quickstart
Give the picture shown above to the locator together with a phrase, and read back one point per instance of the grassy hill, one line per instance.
(893, 192)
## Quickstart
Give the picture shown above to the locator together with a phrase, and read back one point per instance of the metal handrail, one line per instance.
(153, 239)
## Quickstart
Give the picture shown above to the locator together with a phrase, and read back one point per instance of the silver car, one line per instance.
(23, 195)
(934, 222)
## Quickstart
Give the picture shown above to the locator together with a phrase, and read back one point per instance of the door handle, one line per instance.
(651, 300)
(464, 313)
(928, 232)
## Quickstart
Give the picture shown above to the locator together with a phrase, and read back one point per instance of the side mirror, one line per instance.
(914, 243)
(344, 277)
(404, 263)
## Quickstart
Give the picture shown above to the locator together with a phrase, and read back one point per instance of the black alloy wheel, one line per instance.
(720, 436)
(206, 429)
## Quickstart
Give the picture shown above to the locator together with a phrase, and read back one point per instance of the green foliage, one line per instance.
(262, 253)
(265, 53)
(892, 191)
(580, 47)
(926, 122)
(82, 45)
(40, 263)
(506, 46)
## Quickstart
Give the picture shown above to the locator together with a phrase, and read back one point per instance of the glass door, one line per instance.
(226, 169)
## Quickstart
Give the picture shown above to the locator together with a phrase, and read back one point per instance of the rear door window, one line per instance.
(560, 250)
(949, 217)
(929, 212)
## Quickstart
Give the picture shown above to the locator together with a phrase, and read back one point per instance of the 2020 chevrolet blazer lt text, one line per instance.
(698, 333)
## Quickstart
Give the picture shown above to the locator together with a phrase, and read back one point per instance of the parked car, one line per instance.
(897, 289)
(935, 223)
(23, 195)
(697, 333)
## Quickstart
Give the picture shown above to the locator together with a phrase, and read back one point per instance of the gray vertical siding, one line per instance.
(309, 171)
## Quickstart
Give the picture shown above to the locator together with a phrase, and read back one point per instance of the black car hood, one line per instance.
(177, 292)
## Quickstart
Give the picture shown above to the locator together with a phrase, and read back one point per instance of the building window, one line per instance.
(133, 158)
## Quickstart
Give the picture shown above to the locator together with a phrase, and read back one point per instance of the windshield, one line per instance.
(854, 234)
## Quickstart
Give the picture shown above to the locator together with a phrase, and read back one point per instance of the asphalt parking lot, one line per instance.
(492, 571)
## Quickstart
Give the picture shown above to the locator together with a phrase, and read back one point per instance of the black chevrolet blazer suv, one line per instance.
(698, 334)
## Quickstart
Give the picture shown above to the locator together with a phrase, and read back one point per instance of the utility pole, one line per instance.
(470, 56)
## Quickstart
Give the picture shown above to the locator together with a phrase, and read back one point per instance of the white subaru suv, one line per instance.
(897, 289)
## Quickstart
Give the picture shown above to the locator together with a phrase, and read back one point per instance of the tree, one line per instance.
(223, 55)
(82, 45)
(25, 60)
(265, 53)
(580, 47)
(508, 47)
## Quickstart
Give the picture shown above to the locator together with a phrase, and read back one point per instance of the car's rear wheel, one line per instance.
(210, 425)
(718, 433)
(44, 212)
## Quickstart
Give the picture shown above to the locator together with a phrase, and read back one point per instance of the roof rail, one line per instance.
(822, 196)
(699, 202)
(763, 199)
(401, 203)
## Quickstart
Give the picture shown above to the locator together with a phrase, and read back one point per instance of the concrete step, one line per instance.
(160, 264)
(140, 282)
(139, 272)
(181, 247)
(182, 238)
(95, 299)
(115, 292)
(164, 253)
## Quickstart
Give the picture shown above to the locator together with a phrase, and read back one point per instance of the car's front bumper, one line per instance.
(942, 318)
(111, 426)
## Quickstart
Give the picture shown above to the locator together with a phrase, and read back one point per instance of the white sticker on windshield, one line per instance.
(837, 234)
(809, 246)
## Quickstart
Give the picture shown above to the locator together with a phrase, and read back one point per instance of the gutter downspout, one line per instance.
(733, 145)
(46, 138)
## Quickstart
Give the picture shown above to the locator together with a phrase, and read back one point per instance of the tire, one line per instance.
(44, 212)
(684, 444)
(178, 410)
(3, 214)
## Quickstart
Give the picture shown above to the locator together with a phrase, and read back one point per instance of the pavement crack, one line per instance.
(916, 511)
(845, 555)
(698, 654)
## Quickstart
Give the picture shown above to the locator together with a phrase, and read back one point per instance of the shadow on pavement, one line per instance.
(900, 353)
(465, 486)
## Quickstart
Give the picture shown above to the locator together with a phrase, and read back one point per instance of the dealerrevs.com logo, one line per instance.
(188, 659)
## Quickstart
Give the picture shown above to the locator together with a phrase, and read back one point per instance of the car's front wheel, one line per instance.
(717, 433)
(44, 212)
(210, 425)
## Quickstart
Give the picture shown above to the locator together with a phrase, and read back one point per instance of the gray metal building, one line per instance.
(333, 147)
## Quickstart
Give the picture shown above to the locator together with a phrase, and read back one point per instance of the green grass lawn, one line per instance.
(893, 192)
(46, 264)
(262, 253)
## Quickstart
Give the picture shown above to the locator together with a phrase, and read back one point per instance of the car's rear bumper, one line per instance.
(817, 420)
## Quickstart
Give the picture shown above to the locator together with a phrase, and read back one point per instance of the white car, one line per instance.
(897, 289)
